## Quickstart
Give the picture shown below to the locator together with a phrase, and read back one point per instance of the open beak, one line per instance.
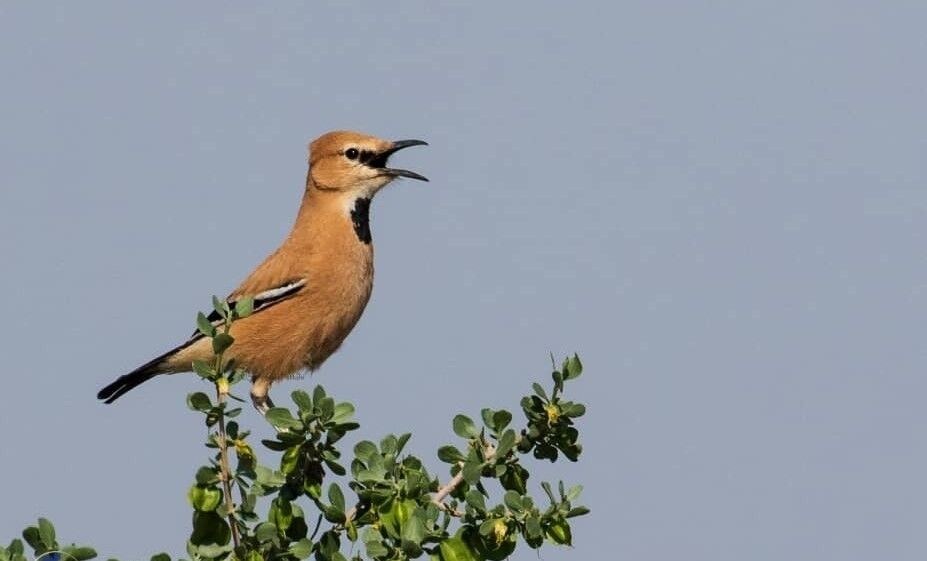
(395, 172)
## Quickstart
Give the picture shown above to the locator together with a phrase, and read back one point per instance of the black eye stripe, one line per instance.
(366, 155)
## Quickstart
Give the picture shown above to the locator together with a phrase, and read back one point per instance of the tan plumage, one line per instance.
(315, 285)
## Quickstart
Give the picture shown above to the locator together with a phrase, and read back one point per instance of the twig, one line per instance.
(438, 499)
(443, 492)
(318, 524)
(222, 392)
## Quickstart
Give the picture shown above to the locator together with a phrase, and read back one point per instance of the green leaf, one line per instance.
(265, 532)
(388, 445)
(513, 500)
(31, 535)
(343, 412)
(350, 530)
(488, 526)
(281, 513)
(515, 478)
(534, 534)
(336, 497)
(505, 444)
(573, 410)
(472, 470)
(204, 369)
(394, 514)
(199, 401)
(572, 367)
(464, 427)
(334, 515)
(236, 376)
(275, 445)
(211, 551)
(559, 533)
(487, 414)
(558, 380)
(389, 518)
(318, 393)
(414, 529)
(47, 533)
(289, 460)
(329, 543)
(401, 442)
(204, 326)
(244, 306)
(231, 429)
(281, 418)
(376, 549)
(301, 549)
(302, 401)
(574, 492)
(501, 419)
(334, 466)
(495, 540)
(366, 451)
(209, 528)
(450, 454)
(476, 501)
(539, 390)
(456, 549)
(204, 498)
(221, 342)
(577, 511)
(268, 477)
(533, 529)
(78, 553)
(326, 407)
(161, 557)
(220, 306)
(550, 493)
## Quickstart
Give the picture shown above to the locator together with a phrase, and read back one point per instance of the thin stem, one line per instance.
(222, 392)
(489, 451)
(443, 492)
(318, 523)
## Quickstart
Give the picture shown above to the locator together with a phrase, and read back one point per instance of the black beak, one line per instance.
(397, 146)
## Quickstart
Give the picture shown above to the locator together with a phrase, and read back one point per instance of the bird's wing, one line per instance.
(262, 300)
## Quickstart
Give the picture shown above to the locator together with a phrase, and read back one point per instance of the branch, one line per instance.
(443, 492)
(489, 451)
(222, 392)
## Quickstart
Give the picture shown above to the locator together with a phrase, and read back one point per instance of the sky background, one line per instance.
(720, 205)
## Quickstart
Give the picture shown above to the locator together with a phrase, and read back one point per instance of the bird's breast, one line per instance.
(341, 290)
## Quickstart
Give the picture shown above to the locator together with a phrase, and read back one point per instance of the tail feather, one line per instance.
(138, 376)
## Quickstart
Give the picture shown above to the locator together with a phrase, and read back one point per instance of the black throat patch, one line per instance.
(360, 216)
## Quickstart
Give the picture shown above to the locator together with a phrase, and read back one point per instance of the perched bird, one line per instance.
(310, 292)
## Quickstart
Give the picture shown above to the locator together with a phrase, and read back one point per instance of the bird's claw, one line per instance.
(262, 403)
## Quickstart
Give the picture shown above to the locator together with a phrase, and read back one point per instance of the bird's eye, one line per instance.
(351, 153)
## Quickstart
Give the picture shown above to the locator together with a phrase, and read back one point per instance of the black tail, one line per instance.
(138, 376)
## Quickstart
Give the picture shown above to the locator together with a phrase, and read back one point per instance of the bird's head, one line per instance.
(355, 163)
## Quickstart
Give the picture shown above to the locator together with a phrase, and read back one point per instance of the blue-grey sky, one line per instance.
(720, 205)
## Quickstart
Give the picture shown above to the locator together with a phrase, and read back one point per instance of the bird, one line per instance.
(311, 291)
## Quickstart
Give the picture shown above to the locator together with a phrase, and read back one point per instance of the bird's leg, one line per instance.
(259, 395)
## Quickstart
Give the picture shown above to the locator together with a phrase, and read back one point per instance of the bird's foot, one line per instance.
(262, 403)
